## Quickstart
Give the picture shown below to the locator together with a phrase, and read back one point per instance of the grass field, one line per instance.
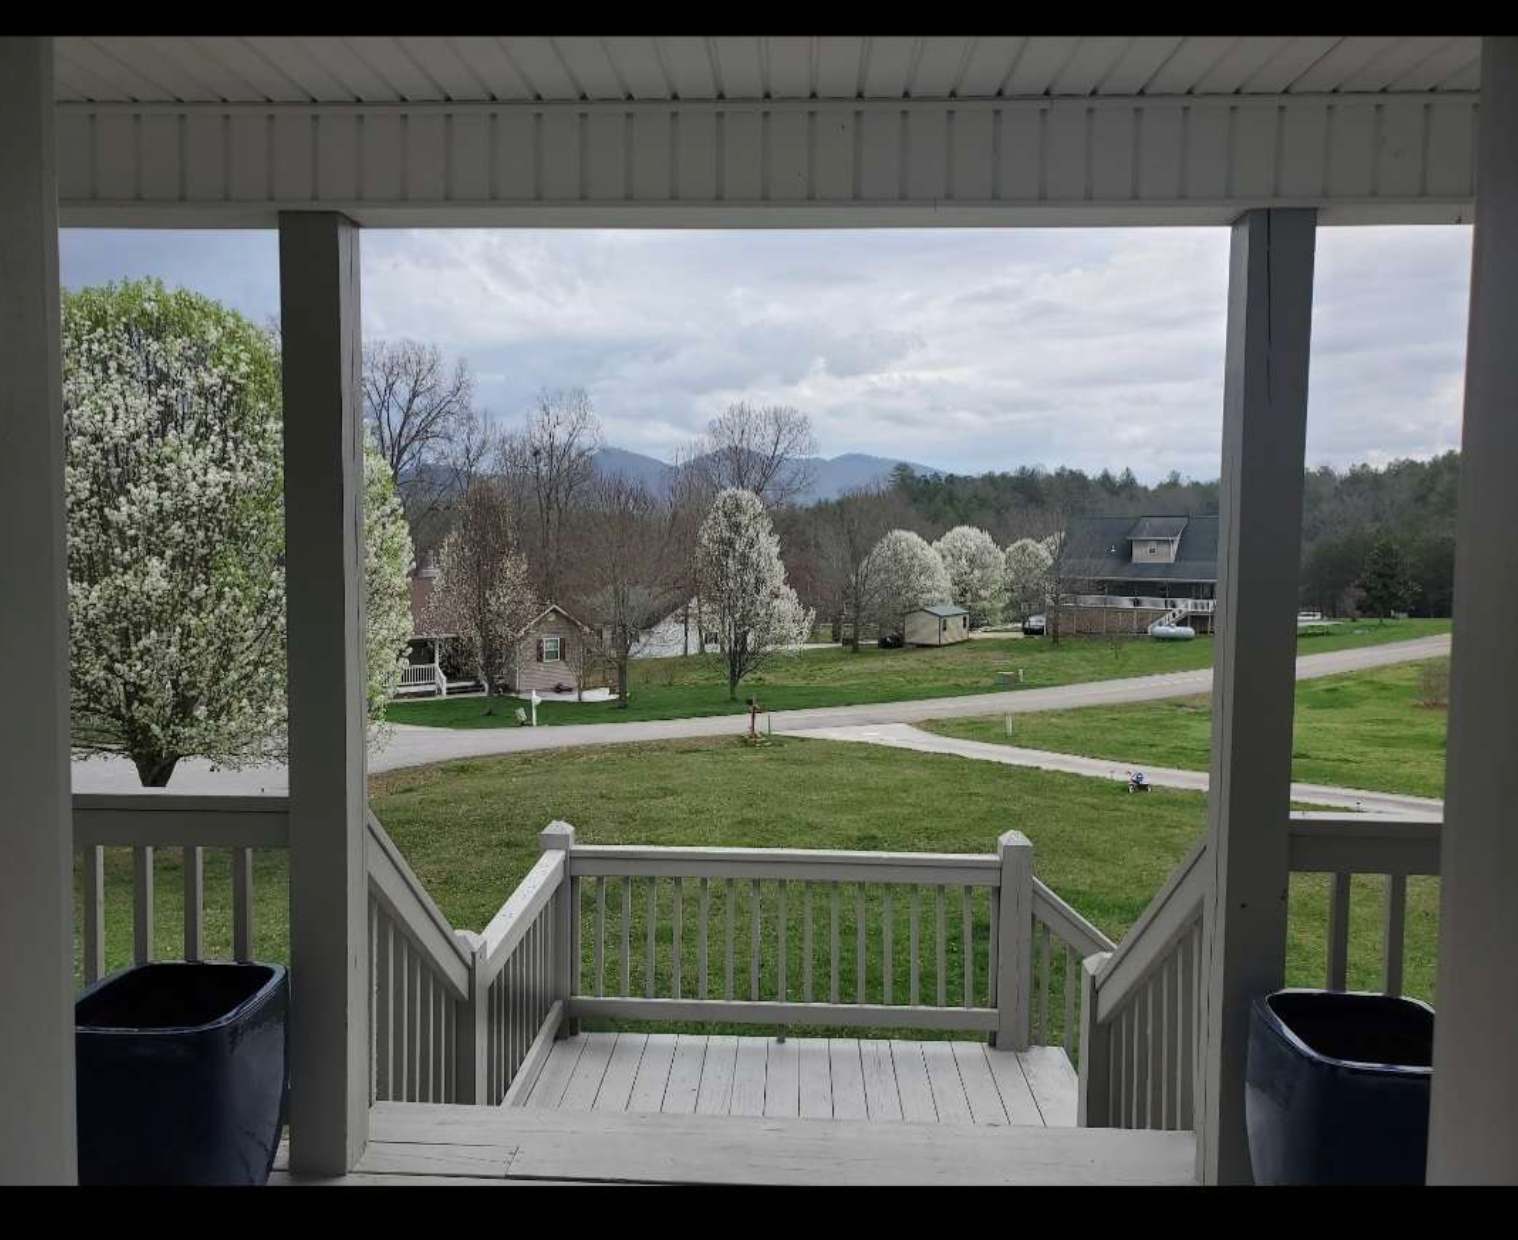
(1362, 730)
(690, 687)
(469, 829)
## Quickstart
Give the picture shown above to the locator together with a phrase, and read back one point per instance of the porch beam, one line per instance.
(37, 1128)
(1473, 1121)
(329, 974)
(1260, 497)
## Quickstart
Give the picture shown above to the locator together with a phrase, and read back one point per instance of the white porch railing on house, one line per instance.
(1140, 1046)
(422, 678)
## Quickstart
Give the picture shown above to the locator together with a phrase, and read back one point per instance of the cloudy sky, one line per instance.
(962, 349)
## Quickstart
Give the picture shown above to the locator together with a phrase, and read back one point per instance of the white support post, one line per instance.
(329, 942)
(37, 1139)
(1014, 943)
(1473, 1121)
(1254, 676)
(1094, 1105)
(560, 835)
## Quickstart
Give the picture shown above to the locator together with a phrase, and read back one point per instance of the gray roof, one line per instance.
(940, 609)
(1158, 527)
(1098, 549)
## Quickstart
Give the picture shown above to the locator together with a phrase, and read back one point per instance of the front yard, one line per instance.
(1365, 730)
(469, 829)
(684, 688)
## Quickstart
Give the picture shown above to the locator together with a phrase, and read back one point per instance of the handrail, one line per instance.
(398, 888)
(796, 864)
(1329, 843)
(1172, 911)
(1067, 924)
(167, 820)
(507, 928)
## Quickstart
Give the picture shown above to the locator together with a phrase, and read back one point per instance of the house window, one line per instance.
(1153, 548)
(551, 651)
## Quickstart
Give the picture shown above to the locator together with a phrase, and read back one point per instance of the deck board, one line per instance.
(934, 1082)
(416, 1142)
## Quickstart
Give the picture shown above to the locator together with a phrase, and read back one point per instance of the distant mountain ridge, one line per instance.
(832, 476)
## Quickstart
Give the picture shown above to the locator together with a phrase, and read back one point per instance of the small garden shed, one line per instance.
(941, 624)
(551, 653)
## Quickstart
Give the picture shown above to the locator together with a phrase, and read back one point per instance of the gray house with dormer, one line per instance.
(1122, 574)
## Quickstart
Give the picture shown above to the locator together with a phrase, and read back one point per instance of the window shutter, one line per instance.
(540, 650)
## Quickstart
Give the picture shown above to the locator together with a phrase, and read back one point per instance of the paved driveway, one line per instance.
(414, 746)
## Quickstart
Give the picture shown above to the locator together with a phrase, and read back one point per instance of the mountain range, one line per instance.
(831, 476)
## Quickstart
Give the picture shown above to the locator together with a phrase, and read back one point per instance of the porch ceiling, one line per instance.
(759, 131)
(520, 68)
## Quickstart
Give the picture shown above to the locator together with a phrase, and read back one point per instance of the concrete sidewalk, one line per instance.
(904, 736)
(416, 746)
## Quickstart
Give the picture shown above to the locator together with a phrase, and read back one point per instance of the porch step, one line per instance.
(408, 1139)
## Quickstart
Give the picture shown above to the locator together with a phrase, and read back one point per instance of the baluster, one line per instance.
(677, 943)
(706, 907)
(1123, 1075)
(1141, 1058)
(1393, 922)
(860, 929)
(424, 1034)
(627, 916)
(142, 904)
(806, 941)
(887, 961)
(914, 945)
(833, 952)
(728, 929)
(94, 913)
(1070, 989)
(242, 904)
(653, 922)
(373, 998)
(1156, 990)
(753, 941)
(194, 861)
(1043, 998)
(1338, 932)
(414, 1012)
(384, 1002)
(782, 993)
(403, 1022)
(576, 949)
(1185, 1048)
(967, 915)
(993, 899)
(943, 950)
(599, 966)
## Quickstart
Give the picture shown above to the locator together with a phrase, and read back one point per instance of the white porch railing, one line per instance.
(419, 677)
(1140, 1029)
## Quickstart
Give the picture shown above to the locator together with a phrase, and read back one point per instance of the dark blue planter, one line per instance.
(1337, 1088)
(181, 1074)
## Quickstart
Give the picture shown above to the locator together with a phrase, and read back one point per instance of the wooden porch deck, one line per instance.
(876, 1081)
(422, 1143)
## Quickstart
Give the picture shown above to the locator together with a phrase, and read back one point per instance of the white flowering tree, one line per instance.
(744, 596)
(388, 559)
(977, 572)
(908, 574)
(1027, 576)
(175, 510)
(483, 596)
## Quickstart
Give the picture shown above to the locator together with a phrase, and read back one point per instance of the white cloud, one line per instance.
(965, 349)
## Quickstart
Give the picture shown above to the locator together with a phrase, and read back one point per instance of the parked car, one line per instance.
(1033, 626)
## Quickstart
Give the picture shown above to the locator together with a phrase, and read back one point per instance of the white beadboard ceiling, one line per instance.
(511, 68)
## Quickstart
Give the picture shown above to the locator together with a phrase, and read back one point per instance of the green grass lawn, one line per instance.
(696, 686)
(1362, 730)
(469, 829)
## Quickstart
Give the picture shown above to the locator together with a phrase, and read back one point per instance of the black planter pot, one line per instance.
(1337, 1088)
(181, 1074)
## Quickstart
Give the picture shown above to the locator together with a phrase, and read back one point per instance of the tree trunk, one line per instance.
(155, 770)
(622, 682)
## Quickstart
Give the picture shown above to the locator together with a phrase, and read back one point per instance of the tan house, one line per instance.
(549, 653)
(941, 624)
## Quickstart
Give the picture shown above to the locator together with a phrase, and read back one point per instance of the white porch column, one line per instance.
(1254, 673)
(329, 949)
(36, 830)
(1473, 1125)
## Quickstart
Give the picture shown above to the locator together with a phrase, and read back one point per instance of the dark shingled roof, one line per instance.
(941, 609)
(1099, 550)
(1158, 527)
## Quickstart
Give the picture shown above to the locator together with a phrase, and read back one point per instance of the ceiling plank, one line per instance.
(838, 63)
(1349, 56)
(591, 67)
(739, 66)
(1138, 64)
(1240, 63)
(1289, 63)
(690, 66)
(941, 61)
(1089, 64)
(1189, 63)
(1438, 68)
(539, 65)
(1039, 64)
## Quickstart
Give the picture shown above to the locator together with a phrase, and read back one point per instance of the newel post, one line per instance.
(1014, 943)
(474, 1029)
(566, 923)
(1094, 1108)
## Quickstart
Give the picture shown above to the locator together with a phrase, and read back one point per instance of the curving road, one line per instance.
(416, 746)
